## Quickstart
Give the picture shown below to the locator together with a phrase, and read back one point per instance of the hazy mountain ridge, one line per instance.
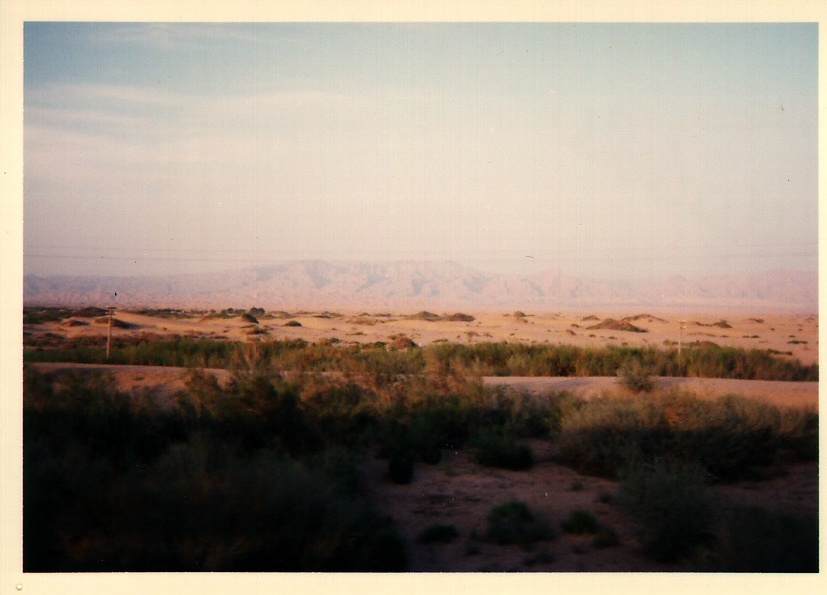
(409, 284)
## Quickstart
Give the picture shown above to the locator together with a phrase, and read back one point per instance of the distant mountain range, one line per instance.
(433, 285)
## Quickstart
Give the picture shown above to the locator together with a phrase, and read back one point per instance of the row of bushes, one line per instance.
(261, 475)
(730, 437)
(228, 480)
(481, 359)
(518, 359)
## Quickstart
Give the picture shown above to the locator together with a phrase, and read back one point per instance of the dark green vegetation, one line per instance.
(228, 480)
(431, 317)
(671, 505)
(679, 520)
(263, 475)
(498, 450)
(487, 359)
(731, 437)
(634, 376)
(515, 523)
(579, 522)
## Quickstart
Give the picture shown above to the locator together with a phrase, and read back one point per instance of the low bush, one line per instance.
(636, 377)
(798, 433)
(342, 414)
(580, 522)
(670, 503)
(605, 435)
(503, 451)
(730, 437)
(447, 359)
(438, 533)
(515, 523)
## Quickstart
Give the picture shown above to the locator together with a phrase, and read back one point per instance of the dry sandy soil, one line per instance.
(796, 334)
(457, 491)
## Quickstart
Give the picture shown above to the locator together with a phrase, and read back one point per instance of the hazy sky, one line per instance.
(602, 150)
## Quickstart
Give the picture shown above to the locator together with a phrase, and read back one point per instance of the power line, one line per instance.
(602, 258)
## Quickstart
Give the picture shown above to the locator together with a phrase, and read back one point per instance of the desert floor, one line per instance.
(793, 334)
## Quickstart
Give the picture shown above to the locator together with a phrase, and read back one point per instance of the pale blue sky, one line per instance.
(608, 151)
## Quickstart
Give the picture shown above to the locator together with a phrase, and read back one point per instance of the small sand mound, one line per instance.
(617, 325)
(424, 315)
(458, 317)
(90, 312)
(363, 320)
(75, 322)
(648, 317)
(719, 324)
(116, 322)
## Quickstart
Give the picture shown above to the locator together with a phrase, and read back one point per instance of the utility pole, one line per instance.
(109, 330)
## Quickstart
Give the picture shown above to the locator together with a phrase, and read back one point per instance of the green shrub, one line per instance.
(343, 414)
(606, 435)
(731, 436)
(496, 450)
(446, 359)
(798, 433)
(515, 523)
(579, 522)
(528, 415)
(636, 377)
(670, 504)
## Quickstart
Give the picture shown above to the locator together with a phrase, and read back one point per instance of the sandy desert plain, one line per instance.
(443, 513)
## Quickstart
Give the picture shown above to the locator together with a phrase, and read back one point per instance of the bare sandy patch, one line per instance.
(787, 335)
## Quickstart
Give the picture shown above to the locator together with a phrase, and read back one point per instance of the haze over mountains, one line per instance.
(430, 285)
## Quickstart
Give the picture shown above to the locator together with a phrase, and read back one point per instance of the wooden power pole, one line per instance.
(109, 332)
